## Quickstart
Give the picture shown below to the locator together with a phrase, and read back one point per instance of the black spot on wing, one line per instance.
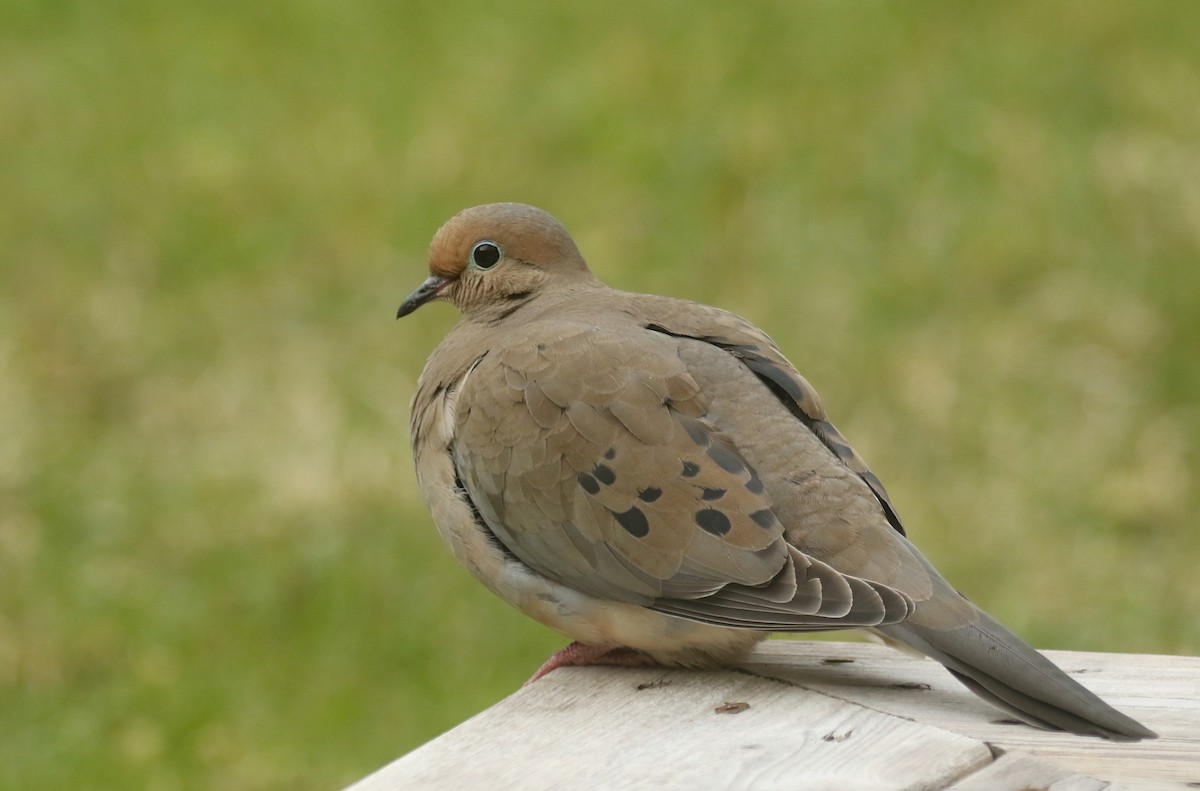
(725, 458)
(650, 494)
(713, 521)
(713, 493)
(690, 469)
(610, 454)
(634, 522)
(764, 518)
(588, 483)
(792, 394)
(754, 485)
(604, 474)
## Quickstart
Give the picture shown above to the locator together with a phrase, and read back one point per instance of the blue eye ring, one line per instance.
(486, 254)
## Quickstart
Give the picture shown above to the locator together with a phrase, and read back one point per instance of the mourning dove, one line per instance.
(654, 479)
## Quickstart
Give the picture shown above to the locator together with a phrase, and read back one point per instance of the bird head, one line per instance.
(489, 258)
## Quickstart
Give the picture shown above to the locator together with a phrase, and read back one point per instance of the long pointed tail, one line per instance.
(1002, 669)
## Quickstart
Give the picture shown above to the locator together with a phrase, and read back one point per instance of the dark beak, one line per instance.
(425, 292)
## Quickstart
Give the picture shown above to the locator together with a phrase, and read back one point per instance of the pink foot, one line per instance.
(579, 654)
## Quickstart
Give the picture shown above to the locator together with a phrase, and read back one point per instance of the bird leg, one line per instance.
(580, 654)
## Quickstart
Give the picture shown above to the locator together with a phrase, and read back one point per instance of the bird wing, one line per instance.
(590, 454)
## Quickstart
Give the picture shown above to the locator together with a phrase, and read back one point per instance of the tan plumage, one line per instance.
(647, 473)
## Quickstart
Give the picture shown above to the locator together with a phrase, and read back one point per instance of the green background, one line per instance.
(974, 227)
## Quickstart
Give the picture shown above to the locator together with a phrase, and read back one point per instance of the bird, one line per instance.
(654, 479)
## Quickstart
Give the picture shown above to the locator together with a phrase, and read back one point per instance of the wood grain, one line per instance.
(1163, 692)
(811, 715)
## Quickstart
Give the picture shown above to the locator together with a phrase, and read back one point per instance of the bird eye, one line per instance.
(484, 255)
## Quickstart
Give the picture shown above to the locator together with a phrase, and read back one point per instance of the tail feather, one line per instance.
(1002, 669)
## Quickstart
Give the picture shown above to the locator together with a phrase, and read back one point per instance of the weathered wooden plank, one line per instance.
(654, 729)
(808, 715)
(1161, 691)
(1022, 772)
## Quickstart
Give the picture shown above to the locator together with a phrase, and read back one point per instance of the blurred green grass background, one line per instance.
(976, 229)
